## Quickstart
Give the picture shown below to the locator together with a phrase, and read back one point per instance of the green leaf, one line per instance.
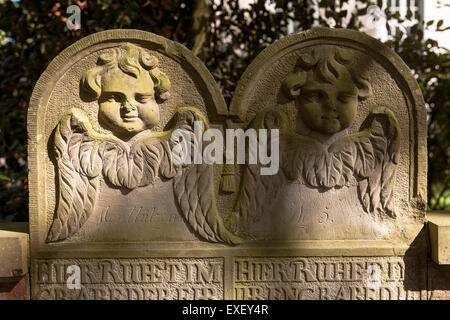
(4, 178)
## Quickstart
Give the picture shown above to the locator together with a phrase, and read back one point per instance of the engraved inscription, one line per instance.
(134, 214)
(300, 278)
(132, 279)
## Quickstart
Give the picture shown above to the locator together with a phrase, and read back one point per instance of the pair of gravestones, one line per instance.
(340, 218)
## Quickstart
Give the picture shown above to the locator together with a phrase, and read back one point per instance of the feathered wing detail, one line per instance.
(83, 154)
(79, 165)
(255, 189)
(137, 166)
(194, 190)
(368, 158)
(378, 152)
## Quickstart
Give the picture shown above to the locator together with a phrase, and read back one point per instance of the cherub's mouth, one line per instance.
(330, 118)
(129, 118)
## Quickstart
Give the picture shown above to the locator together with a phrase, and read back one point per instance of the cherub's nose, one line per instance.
(127, 105)
(330, 104)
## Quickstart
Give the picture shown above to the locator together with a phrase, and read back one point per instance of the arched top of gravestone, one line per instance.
(393, 85)
(323, 36)
(170, 50)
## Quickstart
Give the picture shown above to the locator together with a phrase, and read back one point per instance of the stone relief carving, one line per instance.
(346, 206)
(327, 87)
(127, 86)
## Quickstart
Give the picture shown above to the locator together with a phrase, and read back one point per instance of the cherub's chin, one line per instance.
(331, 127)
(127, 130)
(132, 124)
(130, 119)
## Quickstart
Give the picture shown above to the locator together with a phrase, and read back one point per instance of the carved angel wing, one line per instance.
(371, 155)
(378, 153)
(194, 191)
(255, 189)
(78, 148)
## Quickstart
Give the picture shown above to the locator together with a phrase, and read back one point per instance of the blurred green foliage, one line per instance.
(32, 33)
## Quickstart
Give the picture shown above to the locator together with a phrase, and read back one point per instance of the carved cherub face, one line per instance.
(127, 104)
(328, 107)
(327, 88)
(128, 86)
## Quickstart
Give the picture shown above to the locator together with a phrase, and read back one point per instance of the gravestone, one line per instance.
(112, 206)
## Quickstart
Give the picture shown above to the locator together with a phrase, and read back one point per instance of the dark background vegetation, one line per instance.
(224, 36)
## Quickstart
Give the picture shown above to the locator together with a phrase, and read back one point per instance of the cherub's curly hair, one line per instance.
(131, 60)
(327, 63)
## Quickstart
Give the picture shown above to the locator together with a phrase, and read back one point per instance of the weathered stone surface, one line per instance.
(108, 123)
(439, 229)
(13, 254)
(339, 220)
(438, 281)
(14, 262)
(352, 140)
(15, 289)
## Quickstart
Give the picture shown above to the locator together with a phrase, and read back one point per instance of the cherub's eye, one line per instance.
(113, 98)
(144, 98)
(313, 97)
(345, 97)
